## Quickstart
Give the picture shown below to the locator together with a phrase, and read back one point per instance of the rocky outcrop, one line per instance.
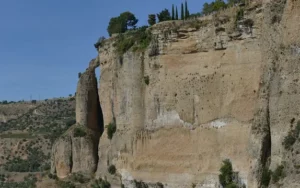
(77, 149)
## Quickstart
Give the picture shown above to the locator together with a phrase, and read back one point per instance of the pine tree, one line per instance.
(187, 12)
(176, 15)
(173, 13)
(182, 12)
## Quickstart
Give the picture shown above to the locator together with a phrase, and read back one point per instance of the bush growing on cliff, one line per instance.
(112, 169)
(278, 174)
(266, 177)
(99, 43)
(138, 39)
(100, 183)
(226, 177)
(292, 137)
(78, 132)
(111, 129)
(147, 80)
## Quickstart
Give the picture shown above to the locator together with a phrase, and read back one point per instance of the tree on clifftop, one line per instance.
(164, 15)
(151, 19)
(122, 23)
(182, 12)
(173, 13)
(187, 12)
(176, 14)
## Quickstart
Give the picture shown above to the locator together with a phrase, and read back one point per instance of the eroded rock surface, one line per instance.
(77, 150)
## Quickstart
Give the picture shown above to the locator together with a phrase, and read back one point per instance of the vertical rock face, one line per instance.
(77, 149)
(213, 92)
(195, 111)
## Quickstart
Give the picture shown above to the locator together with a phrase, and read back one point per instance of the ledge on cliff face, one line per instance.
(77, 149)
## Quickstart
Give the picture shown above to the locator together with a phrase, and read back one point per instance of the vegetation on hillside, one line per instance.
(137, 40)
(28, 182)
(31, 136)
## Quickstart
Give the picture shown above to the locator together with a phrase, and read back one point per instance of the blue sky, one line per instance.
(45, 43)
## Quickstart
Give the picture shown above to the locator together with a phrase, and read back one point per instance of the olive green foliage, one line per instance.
(138, 39)
(79, 74)
(151, 19)
(140, 184)
(292, 137)
(111, 129)
(147, 80)
(52, 176)
(176, 14)
(122, 23)
(239, 15)
(266, 177)
(278, 173)
(100, 183)
(79, 132)
(65, 184)
(34, 162)
(213, 6)
(28, 182)
(100, 42)
(226, 176)
(77, 177)
(112, 169)
(164, 15)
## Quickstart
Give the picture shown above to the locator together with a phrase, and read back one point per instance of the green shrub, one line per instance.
(225, 177)
(140, 184)
(278, 174)
(266, 177)
(147, 80)
(77, 177)
(292, 137)
(159, 185)
(65, 184)
(52, 176)
(232, 185)
(78, 132)
(138, 39)
(111, 129)
(112, 169)
(99, 43)
(100, 183)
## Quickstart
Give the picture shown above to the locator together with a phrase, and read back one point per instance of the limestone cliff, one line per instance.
(202, 92)
(214, 88)
(77, 149)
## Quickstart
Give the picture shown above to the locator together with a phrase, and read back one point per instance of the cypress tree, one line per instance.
(187, 12)
(182, 12)
(173, 13)
(176, 15)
